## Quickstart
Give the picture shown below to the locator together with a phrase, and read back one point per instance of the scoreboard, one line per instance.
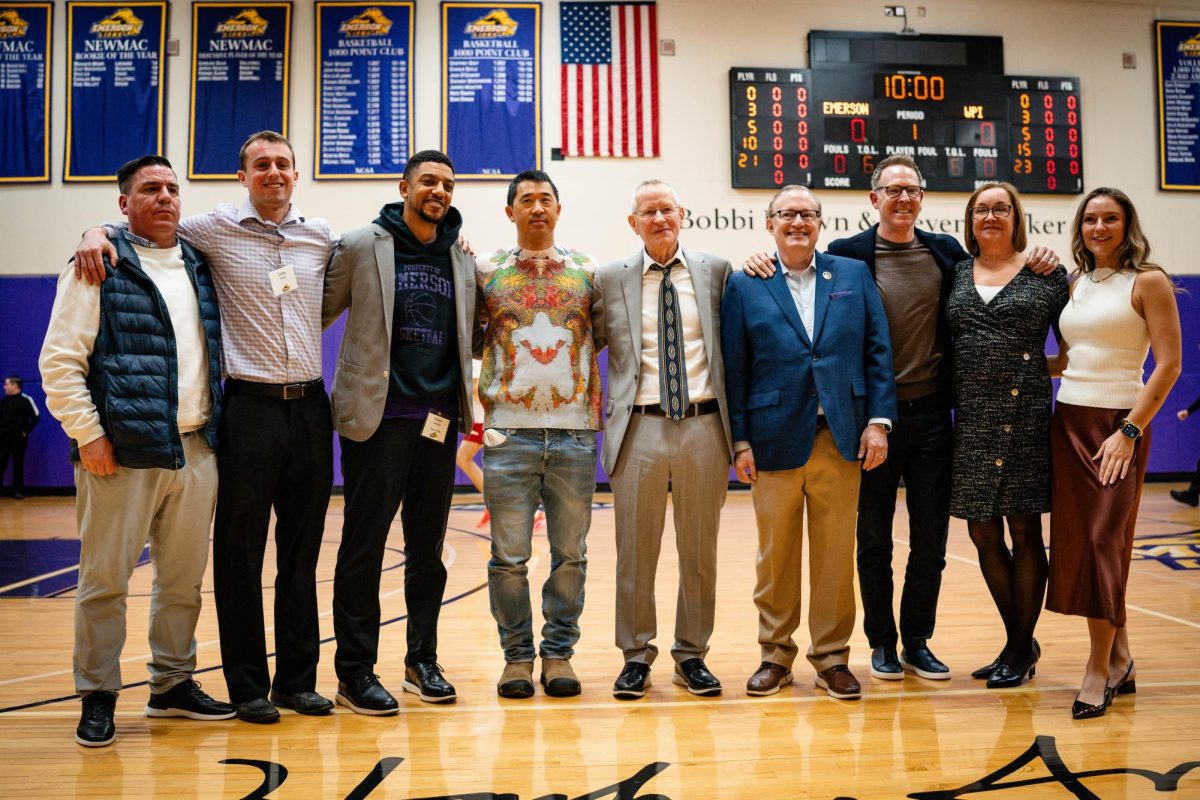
(827, 127)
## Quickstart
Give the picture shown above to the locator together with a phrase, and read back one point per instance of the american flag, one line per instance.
(609, 79)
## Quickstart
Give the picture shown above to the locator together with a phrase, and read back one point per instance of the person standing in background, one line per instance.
(18, 416)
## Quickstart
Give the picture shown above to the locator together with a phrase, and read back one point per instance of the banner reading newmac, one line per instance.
(1178, 50)
(115, 79)
(25, 92)
(491, 88)
(240, 60)
(364, 89)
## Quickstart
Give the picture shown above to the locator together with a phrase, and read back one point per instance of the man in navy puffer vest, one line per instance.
(131, 368)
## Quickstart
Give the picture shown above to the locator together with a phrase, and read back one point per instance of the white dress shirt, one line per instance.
(699, 379)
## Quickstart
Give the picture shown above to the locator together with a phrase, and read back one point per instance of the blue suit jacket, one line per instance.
(775, 377)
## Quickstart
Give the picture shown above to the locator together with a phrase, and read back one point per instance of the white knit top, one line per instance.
(1108, 342)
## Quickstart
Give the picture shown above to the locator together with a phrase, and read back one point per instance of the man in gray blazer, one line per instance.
(400, 395)
(666, 427)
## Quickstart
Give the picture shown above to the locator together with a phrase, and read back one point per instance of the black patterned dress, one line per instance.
(1003, 393)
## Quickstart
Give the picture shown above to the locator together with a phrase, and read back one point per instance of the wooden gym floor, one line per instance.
(912, 738)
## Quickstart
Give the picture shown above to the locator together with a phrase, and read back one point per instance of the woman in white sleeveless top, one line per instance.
(1121, 306)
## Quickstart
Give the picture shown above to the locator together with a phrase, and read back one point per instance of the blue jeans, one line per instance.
(556, 468)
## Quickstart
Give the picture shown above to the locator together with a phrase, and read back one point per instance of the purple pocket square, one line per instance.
(836, 295)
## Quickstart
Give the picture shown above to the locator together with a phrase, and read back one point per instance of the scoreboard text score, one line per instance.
(828, 128)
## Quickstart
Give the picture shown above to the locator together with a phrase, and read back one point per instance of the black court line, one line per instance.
(327, 640)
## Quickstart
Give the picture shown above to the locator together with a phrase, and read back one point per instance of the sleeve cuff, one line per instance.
(882, 422)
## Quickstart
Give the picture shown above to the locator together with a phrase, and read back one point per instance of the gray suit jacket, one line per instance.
(617, 323)
(362, 277)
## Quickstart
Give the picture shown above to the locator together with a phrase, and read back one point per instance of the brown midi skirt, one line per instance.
(1091, 526)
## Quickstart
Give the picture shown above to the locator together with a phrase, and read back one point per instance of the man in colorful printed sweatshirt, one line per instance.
(540, 389)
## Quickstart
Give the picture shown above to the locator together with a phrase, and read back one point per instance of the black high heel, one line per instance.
(1126, 685)
(986, 671)
(1084, 711)
(1008, 676)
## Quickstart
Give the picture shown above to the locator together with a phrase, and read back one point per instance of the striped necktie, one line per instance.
(672, 368)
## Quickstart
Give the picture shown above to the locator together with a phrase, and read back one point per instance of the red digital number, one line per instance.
(858, 129)
(987, 134)
(839, 163)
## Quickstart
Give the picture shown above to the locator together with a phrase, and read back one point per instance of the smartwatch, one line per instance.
(1130, 429)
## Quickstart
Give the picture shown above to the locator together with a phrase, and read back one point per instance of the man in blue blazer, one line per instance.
(810, 391)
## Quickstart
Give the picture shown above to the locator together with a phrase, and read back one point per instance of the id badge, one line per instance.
(436, 427)
(283, 280)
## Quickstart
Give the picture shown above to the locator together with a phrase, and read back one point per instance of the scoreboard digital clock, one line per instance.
(827, 128)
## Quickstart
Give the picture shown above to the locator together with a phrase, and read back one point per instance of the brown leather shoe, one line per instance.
(516, 682)
(840, 682)
(558, 678)
(769, 679)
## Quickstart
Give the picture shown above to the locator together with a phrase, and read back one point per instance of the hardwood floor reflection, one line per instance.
(910, 737)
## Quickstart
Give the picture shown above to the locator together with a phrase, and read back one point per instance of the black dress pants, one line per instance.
(920, 450)
(396, 468)
(273, 453)
(12, 445)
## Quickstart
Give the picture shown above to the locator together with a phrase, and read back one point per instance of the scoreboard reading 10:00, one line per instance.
(829, 128)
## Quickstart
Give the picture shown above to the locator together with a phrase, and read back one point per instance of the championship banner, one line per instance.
(491, 88)
(1177, 46)
(240, 59)
(364, 89)
(115, 79)
(25, 92)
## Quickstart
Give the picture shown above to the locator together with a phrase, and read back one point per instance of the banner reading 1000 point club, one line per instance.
(364, 89)
(115, 75)
(491, 88)
(240, 68)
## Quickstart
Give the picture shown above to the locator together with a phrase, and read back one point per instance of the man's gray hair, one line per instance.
(656, 182)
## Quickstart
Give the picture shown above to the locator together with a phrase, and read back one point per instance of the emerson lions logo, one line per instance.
(11, 24)
(122, 22)
(370, 22)
(1190, 47)
(242, 24)
(492, 25)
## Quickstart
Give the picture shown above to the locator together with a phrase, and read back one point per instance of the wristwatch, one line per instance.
(1130, 429)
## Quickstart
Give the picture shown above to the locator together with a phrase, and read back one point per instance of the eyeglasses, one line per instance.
(651, 213)
(895, 190)
(787, 215)
(999, 211)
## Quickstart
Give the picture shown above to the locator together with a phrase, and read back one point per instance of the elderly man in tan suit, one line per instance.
(666, 426)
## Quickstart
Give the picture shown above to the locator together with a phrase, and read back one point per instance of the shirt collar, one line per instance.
(811, 269)
(648, 260)
(140, 242)
(248, 211)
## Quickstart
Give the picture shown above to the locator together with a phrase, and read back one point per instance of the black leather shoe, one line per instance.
(188, 700)
(259, 711)
(1010, 675)
(96, 726)
(1084, 711)
(985, 672)
(885, 665)
(633, 681)
(424, 679)
(920, 659)
(1187, 498)
(308, 703)
(694, 675)
(366, 695)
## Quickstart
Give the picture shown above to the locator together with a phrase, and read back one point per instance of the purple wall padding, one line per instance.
(25, 304)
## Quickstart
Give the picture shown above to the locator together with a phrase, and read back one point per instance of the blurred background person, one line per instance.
(1121, 306)
(1191, 495)
(18, 416)
(999, 313)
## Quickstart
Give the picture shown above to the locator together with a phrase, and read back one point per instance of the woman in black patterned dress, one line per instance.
(999, 313)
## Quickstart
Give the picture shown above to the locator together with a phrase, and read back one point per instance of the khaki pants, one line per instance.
(117, 514)
(828, 487)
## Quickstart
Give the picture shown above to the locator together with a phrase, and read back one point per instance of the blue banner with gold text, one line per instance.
(25, 92)
(491, 88)
(1177, 47)
(115, 79)
(364, 89)
(240, 65)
